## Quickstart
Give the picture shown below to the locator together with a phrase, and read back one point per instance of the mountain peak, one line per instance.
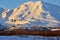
(30, 13)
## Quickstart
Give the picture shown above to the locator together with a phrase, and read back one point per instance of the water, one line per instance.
(28, 38)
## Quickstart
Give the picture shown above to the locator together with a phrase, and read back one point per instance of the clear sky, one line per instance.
(11, 3)
(14, 3)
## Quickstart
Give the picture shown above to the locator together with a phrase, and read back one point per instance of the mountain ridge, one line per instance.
(29, 16)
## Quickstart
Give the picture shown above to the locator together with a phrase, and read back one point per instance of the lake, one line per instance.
(26, 37)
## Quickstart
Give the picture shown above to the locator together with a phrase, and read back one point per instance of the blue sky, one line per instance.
(14, 3)
(11, 3)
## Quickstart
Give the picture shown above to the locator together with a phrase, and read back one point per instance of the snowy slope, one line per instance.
(1, 11)
(32, 14)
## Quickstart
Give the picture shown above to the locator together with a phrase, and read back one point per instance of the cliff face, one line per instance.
(32, 14)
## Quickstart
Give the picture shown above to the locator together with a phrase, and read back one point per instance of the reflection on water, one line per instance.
(26, 37)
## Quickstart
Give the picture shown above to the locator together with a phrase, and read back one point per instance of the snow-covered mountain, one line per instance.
(32, 14)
